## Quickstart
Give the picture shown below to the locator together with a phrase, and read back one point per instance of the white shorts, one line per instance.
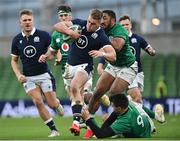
(126, 73)
(138, 82)
(70, 72)
(45, 81)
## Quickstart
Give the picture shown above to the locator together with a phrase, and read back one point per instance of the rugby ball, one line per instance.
(74, 27)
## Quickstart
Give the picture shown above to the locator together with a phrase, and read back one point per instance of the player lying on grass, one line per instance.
(127, 119)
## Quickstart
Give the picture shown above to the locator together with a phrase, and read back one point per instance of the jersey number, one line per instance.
(140, 121)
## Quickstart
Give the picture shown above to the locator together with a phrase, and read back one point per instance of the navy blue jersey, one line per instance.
(136, 44)
(78, 53)
(30, 49)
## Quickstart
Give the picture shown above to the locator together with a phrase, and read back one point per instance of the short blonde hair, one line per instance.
(96, 14)
(25, 12)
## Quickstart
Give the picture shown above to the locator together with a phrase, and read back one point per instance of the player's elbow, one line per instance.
(114, 57)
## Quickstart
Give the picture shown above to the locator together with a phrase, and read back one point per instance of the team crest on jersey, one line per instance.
(94, 35)
(58, 40)
(29, 51)
(36, 39)
(82, 42)
(133, 50)
(65, 47)
(133, 40)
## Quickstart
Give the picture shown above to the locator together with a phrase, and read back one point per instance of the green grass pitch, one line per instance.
(34, 129)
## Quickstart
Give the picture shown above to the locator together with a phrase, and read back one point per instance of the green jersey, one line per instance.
(124, 58)
(134, 123)
(57, 42)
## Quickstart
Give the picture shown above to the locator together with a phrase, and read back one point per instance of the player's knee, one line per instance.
(53, 104)
(74, 89)
(38, 102)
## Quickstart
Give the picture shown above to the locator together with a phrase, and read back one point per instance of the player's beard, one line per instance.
(106, 27)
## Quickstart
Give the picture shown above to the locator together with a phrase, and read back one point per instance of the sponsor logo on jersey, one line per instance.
(82, 42)
(133, 40)
(36, 39)
(29, 51)
(65, 47)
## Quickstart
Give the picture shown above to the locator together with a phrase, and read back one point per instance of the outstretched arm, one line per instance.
(99, 132)
(107, 52)
(63, 27)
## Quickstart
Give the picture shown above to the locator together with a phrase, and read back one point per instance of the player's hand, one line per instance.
(151, 51)
(85, 114)
(96, 53)
(42, 58)
(22, 78)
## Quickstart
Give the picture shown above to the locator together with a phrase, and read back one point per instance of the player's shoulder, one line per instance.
(17, 37)
(135, 35)
(80, 22)
(42, 33)
(56, 33)
(118, 26)
(100, 33)
(39, 31)
(119, 29)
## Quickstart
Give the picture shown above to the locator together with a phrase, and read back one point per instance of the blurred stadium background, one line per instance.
(156, 20)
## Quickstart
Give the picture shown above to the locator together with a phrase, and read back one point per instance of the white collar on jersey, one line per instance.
(98, 29)
(130, 34)
(32, 32)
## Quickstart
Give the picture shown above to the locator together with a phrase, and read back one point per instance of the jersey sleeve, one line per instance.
(47, 39)
(121, 125)
(100, 132)
(14, 48)
(104, 40)
(102, 60)
(144, 43)
(53, 44)
(79, 22)
(120, 32)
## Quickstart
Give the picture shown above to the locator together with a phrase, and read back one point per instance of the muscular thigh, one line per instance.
(35, 94)
(50, 97)
(104, 82)
(119, 86)
(80, 78)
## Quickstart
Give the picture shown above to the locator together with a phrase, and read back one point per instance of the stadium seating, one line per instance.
(170, 74)
(147, 68)
(154, 67)
(157, 70)
(178, 76)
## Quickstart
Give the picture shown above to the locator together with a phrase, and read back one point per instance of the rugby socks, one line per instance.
(76, 110)
(150, 113)
(50, 123)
